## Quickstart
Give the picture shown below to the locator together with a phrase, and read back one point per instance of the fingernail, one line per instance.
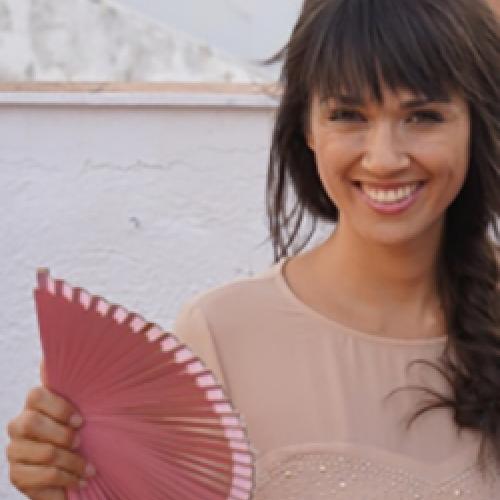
(83, 483)
(76, 442)
(89, 470)
(76, 420)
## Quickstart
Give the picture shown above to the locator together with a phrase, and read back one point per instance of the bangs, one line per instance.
(362, 45)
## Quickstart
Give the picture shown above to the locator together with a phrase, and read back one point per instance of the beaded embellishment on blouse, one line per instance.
(316, 476)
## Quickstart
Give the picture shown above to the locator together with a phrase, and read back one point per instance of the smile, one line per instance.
(390, 201)
(390, 195)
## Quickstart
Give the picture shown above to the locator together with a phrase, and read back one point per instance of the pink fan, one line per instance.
(157, 426)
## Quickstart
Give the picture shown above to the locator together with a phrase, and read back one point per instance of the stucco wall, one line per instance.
(142, 198)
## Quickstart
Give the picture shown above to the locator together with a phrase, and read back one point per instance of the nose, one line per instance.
(384, 152)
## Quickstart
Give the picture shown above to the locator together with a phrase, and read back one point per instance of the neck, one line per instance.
(382, 275)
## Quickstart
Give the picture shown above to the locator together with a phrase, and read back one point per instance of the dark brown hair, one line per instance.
(432, 48)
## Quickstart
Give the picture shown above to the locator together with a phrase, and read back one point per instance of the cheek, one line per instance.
(450, 156)
(447, 169)
(331, 164)
(335, 155)
(446, 156)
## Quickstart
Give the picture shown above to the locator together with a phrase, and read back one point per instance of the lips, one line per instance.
(389, 206)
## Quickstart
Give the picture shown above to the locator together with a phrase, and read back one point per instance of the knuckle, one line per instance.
(11, 427)
(68, 437)
(48, 453)
(14, 477)
(9, 451)
(35, 397)
(81, 463)
(51, 475)
(28, 421)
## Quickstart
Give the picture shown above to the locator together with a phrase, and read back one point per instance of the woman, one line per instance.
(388, 127)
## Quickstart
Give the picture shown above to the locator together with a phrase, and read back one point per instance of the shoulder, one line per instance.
(229, 299)
(208, 319)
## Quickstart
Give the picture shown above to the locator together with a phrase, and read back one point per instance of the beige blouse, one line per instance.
(311, 391)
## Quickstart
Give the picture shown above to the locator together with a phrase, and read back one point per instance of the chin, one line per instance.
(394, 236)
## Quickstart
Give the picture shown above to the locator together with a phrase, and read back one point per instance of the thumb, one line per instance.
(43, 373)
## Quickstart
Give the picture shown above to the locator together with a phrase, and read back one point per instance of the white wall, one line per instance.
(144, 199)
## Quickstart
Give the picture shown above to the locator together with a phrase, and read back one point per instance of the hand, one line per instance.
(41, 452)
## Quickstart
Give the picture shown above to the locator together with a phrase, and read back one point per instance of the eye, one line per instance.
(344, 114)
(427, 116)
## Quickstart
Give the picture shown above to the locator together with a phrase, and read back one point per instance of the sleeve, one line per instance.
(191, 328)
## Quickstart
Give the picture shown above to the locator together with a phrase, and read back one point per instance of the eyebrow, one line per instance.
(413, 103)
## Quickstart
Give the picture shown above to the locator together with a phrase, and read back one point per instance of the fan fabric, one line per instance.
(158, 425)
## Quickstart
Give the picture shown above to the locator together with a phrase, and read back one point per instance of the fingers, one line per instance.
(36, 426)
(43, 437)
(49, 403)
(46, 494)
(34, 453)
(25, 477)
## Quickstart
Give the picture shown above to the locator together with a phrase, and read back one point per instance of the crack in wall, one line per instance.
(91, 165)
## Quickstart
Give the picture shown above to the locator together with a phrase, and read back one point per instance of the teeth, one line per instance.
(391, 195)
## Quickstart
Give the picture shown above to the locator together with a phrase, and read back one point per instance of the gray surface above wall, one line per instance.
(248, 29)
(107, 40)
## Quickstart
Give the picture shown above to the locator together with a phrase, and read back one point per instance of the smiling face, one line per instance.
(392, 169)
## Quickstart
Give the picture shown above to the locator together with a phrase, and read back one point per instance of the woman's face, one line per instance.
(392, 169)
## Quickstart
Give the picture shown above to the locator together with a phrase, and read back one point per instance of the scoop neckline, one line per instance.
(377, 339)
